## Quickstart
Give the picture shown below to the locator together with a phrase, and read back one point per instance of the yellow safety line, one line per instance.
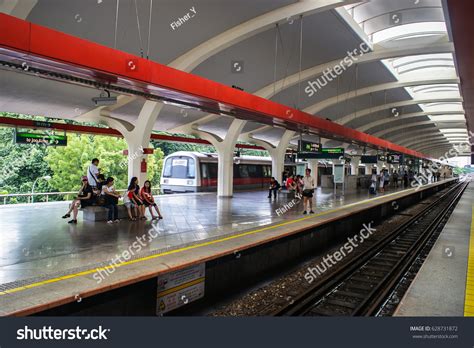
(195, 246)
(180, 287)
(469, 300)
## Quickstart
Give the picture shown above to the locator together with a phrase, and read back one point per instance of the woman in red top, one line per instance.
(149, 201)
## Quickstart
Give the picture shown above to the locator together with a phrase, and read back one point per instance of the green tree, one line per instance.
(69, 163)
(21, 165)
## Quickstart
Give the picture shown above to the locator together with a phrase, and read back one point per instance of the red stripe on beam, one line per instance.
(18, 122)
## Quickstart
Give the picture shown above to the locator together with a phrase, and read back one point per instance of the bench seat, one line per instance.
(99, 213)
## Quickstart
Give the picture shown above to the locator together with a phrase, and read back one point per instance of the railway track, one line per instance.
(362, 287)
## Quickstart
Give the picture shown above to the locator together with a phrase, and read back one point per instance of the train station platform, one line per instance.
(444, 286)
(46, 262)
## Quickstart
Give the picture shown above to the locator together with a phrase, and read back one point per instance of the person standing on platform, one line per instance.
(308, 190)
(382, 181)
(395, 179)
(373, 182)
(93, 173)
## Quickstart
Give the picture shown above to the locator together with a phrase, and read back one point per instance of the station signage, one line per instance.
(42, 124)
(308, 147)
(382, 158)
(41, 139)
(395, 158)
(324, 153)
(368, 159)
(178, 288)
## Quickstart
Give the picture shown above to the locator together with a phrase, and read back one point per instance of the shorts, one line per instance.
(138, 203)
(129, 204)
(152, 204)
(85, 203)
(308, 193)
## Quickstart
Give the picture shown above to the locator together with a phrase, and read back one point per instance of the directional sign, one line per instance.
(41, 139)
(308, 147)
(395, 158)
(368, 159)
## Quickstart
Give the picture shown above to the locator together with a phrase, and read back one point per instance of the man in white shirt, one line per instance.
(308, 189)
(93, 172)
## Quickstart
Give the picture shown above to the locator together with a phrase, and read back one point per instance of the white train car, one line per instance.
(186, 171)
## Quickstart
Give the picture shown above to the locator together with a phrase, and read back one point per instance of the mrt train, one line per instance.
(185, 171)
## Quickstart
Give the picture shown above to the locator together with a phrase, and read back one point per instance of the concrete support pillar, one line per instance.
(136, 135)
(355, 162)
(225, 152)
(139, 138)
(277, 153)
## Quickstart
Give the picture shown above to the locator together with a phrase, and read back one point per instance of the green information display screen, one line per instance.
(41, 139)
(333, 150)
(324, 153)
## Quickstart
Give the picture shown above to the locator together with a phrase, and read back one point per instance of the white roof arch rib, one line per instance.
(405, 126)
(351, 117)
(367, 127)
(194, 57)
(414, 133)
(433, 146)
(429, 141)
(378, 54)
(315, 108)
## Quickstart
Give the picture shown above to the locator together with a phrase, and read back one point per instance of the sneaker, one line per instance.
(311, 212)
(304, 213)
(117, 220)
(110, 222)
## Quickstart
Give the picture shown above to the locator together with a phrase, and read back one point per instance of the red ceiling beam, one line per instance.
(18, 122)
(54, 51)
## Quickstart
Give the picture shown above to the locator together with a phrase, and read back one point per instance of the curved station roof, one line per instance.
(380, 75)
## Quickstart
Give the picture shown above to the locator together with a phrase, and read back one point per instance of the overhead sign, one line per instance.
(382, 158)
(368, 159)
(42, 124)
(176, 289)
(308, 147)
(395, 158)
(42, 139)
(325, 153)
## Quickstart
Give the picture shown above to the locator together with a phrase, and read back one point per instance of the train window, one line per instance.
(267, 171)
(180, 168)
(204, 171)
(213, 170)
(243, 171)
(191, 174)
(252, 170)
(167, 169)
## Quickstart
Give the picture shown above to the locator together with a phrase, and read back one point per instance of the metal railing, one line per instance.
(67, 196)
